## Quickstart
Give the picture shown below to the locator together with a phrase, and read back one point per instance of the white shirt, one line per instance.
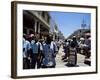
(26, 47)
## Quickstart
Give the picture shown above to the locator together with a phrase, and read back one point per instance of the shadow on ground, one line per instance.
(71, 65)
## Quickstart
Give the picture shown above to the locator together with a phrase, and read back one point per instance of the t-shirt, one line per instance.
(35, 47)
(26, 47)
(49, 54)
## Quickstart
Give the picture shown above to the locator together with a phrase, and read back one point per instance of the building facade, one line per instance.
(53, 29)
(79, 33)
(61, 36)
(36, 22)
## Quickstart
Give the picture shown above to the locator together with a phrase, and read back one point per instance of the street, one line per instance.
(61, 64)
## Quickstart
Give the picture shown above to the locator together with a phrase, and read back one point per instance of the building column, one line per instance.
(35, 27)
(39, 28)
(28, 31)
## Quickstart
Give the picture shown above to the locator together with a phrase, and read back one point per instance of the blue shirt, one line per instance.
(35, 47)
(49, 54)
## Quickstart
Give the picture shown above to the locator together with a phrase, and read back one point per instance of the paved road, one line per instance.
(61, 64)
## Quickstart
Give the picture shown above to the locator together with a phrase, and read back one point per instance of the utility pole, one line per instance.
(83, 25)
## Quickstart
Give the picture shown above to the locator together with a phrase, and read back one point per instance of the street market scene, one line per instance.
(56, 39)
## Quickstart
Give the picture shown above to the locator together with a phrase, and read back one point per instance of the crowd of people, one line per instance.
(82, 46)
(41, 53)
(38, 53)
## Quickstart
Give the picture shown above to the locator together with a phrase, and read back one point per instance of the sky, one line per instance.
(68, 22)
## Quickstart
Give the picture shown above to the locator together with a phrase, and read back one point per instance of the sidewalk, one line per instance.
(61, 64)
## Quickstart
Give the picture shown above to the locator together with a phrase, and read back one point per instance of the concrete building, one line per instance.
(53, 29)
(79, 33)
(60, 35)
(36, 22)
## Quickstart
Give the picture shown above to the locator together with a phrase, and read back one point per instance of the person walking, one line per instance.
(81, 45)
(49, 52)
(36, 51)
(26, 50)
(73, 52)
(87, 47)
(66, 50)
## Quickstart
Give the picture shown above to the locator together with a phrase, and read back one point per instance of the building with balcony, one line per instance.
(36, 22)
